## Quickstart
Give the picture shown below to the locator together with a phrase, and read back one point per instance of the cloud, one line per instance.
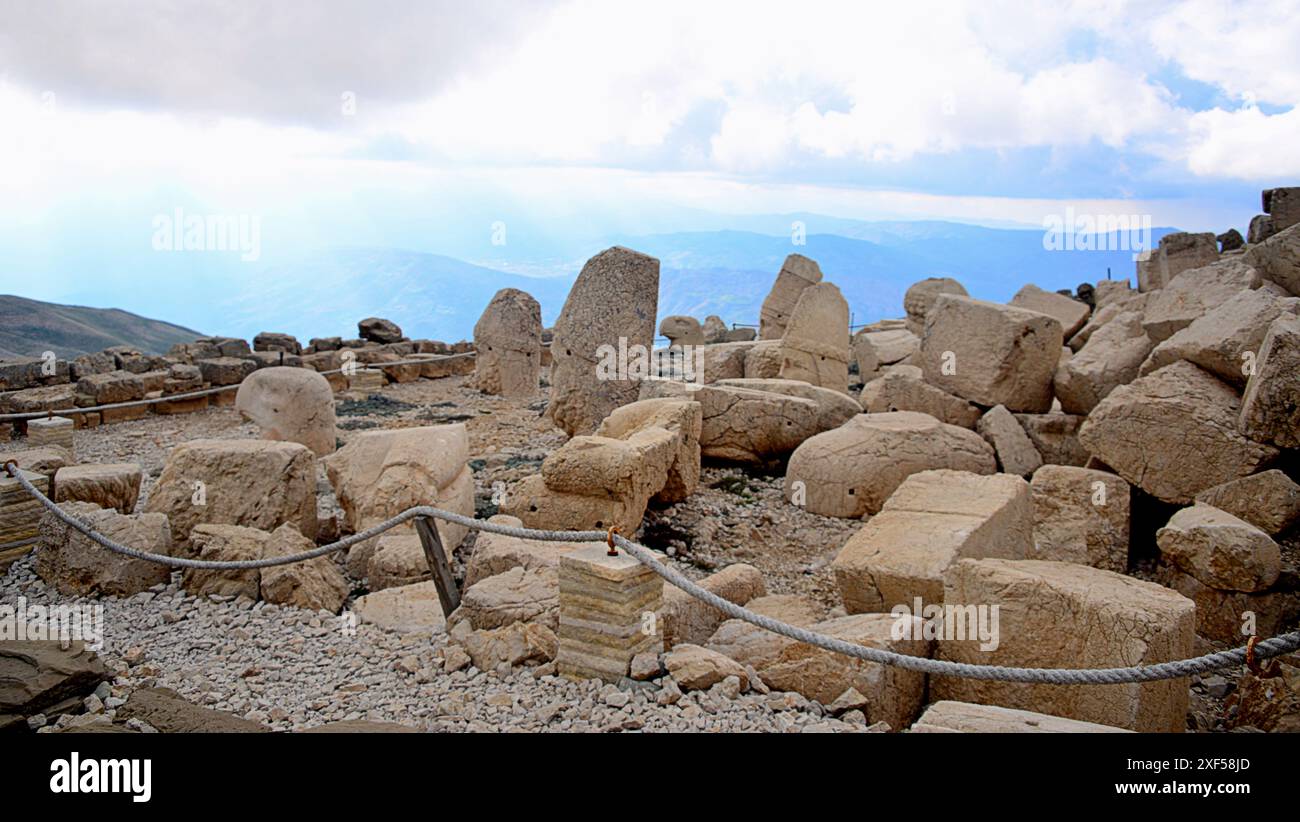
(284, 61)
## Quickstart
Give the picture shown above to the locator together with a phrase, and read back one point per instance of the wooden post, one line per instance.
(443, 581)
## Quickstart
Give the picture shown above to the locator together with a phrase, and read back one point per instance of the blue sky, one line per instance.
(309, 113)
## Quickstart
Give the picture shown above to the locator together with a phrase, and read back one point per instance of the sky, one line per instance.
(342, 119)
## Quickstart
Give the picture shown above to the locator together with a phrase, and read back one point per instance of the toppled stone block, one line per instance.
(1268, 500)
(1080, 515)
(991, 354)
(921, 296)
(1220, 550)
(1147, 429)
(1015, 451)
(253, 483)
(969, 718)
(74, 565)
(684, 618)
(1269, 406)
(107, 486)
(934, 519)
(797, 273)
(1069, 312)
(852, 470)
(1061, 615)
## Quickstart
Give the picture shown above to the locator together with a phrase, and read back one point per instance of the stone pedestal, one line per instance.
(52, 431)
(608, 613)
(366, 379)
(20, 515)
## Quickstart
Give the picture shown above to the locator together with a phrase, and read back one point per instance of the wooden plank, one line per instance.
(443, 581)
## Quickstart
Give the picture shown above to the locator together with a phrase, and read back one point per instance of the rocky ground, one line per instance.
(288, 669)
(291, 669)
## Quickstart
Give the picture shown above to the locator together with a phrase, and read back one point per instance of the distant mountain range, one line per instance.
(723, 271)
(29, 327)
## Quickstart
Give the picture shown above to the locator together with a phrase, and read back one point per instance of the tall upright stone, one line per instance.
(797, 273)
(508, 343)
(607, 321)
(815, 347)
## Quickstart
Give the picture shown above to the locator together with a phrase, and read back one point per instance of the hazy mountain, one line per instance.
(29, 328)
(718, 270)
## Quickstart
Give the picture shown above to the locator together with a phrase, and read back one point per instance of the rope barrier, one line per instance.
(1255, 650)
(190, 395)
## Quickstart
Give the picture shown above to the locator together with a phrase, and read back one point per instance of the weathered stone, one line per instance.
(714, 330)
(969, 718)
(683, 618)
(892, 694)
(681, 330)
(697, 669)
(1270, 408)
(991, 354)
(518, 643)
(517, 595)
(1225, 339)
(891, 345)
(797, 273)
(1056, 436)
(1194, 292)
(115, 386)
(495, 554)
(1230, 240)
(1093, 618)
(724, 361)
(610, 308)
(253, 483)
(108, 486)
(1220, 550)
(1080, 515)
(1268, 500)
(1112, 357)
(1177, 252)
(290, 405)
(379, 474)
(1260, 229)
(1233, 616)
(37, 676)
(833, 407)
(508, 342)
(763, 360)
(604, 602)
(398, 560)
(226, 543)
(314, 584)
(168, 712)
(852, 470)
(864, 358)
(743, 425)
(1147, 430)
(1278, 258)
(76, 566)
(1015, 451)
(921, 295)
(52, 431)
(377, 329)
(276, 341)
(408, 609)
(1070, 313)
(901, 390)
(46, 460)
(815, 346)
(225, 370)
(934, 519)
